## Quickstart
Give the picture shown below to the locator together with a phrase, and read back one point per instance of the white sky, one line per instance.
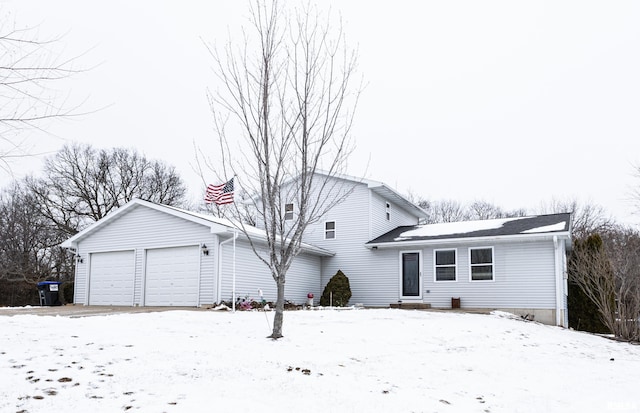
(510, 102)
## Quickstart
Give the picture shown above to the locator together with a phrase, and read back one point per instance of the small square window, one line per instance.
(288, 212)
(329, 230)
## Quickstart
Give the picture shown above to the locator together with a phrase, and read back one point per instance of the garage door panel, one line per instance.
(172, 276)
(111, 278)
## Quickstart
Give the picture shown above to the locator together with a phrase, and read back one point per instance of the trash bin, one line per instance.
(455, 302)
(49, 292)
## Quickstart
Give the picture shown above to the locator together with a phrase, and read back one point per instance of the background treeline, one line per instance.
(78, 186)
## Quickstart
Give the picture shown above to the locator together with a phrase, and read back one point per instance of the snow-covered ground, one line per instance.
(342, 361)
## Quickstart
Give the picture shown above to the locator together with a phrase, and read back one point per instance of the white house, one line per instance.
(148, 254)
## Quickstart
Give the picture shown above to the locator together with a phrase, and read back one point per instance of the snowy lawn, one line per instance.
(342, 361)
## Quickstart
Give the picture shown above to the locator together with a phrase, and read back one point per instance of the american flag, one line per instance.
(219, 194)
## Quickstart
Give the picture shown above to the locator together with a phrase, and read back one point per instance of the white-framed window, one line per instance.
(330, 230)
(445, 268)
(388, 211)
(481, 264)
(288, 212)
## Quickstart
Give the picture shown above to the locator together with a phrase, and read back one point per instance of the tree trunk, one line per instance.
(277, 320)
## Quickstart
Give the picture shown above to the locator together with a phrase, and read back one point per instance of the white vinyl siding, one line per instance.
(379, 222)
(143, 228)
(523, 278)
(252, 275)
(359, 219)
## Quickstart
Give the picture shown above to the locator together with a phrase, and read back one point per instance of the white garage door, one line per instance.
(172, 276)
(111, 278)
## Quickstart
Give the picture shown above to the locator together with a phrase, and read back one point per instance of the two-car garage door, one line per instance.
(172, 277)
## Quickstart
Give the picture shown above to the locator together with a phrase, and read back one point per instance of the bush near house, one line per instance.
(18, 293)
(67, 292)
(337, 292)
(583, 313)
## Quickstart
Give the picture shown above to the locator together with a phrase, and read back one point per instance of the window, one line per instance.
(388, 211)
(481, 263)
(330, 230)
(445, 265)
(288, 212)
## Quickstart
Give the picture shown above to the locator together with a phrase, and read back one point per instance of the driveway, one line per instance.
(85, 311)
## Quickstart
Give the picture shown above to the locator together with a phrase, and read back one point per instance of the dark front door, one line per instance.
(411, 275)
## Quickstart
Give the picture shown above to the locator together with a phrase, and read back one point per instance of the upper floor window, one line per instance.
(445, 265)
(288, 212)
(481, 264)
(330, 230)
(388, 211)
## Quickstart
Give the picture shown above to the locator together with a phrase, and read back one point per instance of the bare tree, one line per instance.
(587, 218)
(449, 210)
(29, 68)
(607, 271)
(82, 184)
(590, 269)
(623, 248)
(479, 210)
(289, 87)
(28, 245)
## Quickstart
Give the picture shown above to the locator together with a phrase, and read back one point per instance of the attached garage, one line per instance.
(172, 276)
(147, 254)
(111, 278)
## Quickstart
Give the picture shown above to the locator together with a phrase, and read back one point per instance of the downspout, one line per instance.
(235, 236)
(74, 250)
(559, 282)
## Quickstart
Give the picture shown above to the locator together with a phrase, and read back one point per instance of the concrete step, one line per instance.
(411, 306)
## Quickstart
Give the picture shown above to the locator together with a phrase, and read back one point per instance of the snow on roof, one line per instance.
(547, 228)
(522, 226)
(434, 230)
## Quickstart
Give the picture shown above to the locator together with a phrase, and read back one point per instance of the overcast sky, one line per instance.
(511, 102)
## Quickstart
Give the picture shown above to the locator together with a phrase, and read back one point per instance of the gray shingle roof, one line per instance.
(539, 224)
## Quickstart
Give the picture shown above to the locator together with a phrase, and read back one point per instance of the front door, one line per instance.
(410, 273)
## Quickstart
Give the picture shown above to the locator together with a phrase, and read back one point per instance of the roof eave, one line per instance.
(389, 193)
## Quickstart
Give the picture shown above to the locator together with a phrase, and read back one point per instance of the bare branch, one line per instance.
(288, 88)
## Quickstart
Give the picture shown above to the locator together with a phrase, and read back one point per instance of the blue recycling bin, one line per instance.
(48, 291)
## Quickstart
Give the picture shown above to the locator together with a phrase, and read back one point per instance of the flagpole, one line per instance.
(235, 235)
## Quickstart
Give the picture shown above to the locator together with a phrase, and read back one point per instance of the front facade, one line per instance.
(147, 254)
